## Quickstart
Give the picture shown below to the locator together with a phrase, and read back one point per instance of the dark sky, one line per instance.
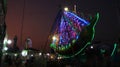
(39, 16)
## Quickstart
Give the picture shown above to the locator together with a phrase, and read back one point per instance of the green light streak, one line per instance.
(76, 53)
(91, 26)
(97, 18)
(113, 52)
(5, 41)
(102, 51)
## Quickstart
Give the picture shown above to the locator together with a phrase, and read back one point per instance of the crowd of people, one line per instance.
(91, 60)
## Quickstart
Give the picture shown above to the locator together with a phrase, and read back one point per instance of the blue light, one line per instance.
(77, 37)
(76, 17)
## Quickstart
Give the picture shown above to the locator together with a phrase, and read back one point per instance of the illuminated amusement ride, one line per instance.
(71, 34)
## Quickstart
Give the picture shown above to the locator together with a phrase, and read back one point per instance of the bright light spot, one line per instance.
(59, 58)
(15, 54)
(9, 41)
(66, 9)
(5, 48)
(54, 38)
(40, 54)
(31, 55)
(91, 47)
(24, 53)
(51, 57)
(48, 54)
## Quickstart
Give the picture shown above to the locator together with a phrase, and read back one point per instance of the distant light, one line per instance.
(9, 41)
(31, 55)
(15, 54)
(54, 38)
(66, 9)
(51, 57)
(40, 54)
(5, 48)
(24, 53)
(48, 54)
(59, 58)
(91, 47)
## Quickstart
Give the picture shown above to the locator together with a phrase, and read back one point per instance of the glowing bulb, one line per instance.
(32, 55)
(15, 54)
(40, 54)
(9, 41)
(51, 57)
(59, 58)
(54, 38)
(48, 54)
(24, 53)
(91, 47)
(66, 9)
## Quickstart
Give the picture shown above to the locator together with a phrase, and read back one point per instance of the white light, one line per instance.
(54, 38)
(9, 41)
(48, 54)
(91, 47)
(24, 53)
(5, 48)
(66, 9)
(40, 54)
(15, 54)
(59, 58)
(31, 55)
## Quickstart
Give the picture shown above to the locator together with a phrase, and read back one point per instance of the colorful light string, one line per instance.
(72, 34)
(68, 31)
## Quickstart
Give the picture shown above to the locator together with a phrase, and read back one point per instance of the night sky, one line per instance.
(39, 16)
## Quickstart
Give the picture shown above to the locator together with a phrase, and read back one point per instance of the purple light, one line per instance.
(69, 28)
